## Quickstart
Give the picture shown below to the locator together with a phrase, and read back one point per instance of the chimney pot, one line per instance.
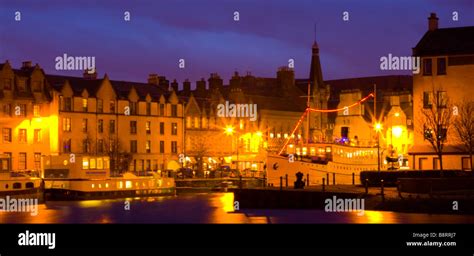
(432, 22)
(26, 64)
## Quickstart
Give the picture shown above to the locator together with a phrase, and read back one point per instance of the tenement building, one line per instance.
(139, 125)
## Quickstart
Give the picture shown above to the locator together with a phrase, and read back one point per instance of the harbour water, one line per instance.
(202, 208)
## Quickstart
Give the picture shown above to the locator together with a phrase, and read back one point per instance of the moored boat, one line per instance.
(88, 177)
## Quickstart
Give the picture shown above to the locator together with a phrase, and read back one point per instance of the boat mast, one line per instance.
(307, 113)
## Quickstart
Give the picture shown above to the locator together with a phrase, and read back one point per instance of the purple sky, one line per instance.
(204, 33)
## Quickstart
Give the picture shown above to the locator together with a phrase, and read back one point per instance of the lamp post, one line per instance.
(378, 128)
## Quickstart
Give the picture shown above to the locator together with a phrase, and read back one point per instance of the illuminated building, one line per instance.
(447, 68)
(140, 125)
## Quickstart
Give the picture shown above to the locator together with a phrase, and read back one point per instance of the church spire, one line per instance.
(315, 73)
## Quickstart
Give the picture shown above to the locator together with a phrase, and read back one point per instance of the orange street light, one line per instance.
(229, 130)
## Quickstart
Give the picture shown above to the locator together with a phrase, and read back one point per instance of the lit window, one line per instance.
(36, 110)
(84, 105)
(128, 184)
(93, 185)
(100, 163)
(92, 163)
(85, 163)
(272, 135)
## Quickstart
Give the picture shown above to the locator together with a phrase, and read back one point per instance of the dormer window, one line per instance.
(133, 108)
(21, 85)
(37, 86)
(7, 84)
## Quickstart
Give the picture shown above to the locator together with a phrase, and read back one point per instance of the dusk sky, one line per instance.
(205, 35)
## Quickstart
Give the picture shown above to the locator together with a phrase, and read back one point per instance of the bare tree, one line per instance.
(436, 115)
(464, 127)
(199, 150)
(119, 159)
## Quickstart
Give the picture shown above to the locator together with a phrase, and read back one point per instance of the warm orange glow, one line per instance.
(229, 130)
(378, 127)
(259, 134)
(397, 131)
(397, 114)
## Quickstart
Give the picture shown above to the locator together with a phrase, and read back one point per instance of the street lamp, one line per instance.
(378, 128)
(230, 130)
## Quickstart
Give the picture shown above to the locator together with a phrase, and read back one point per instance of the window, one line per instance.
(174, 110)
(112, 106)
(148, 108)
(100, 146)
(22, 136)
(427, 99)
(22, 109)
(111, 145)
(148, 127)
(162, 146)
(133, 108)
(100, 126)
(67, 104)
(465, 164)
(8, 84)
(133, 127)
(37, 86)
(21, 85)
(442, 99)
(6, 162)
(427, 66)
(7, 134)
(37, 136)
(188, 122)
(148, 165)
(441, 66)
(66, 124)
(174, 147)
(112, 126)
(196, 122)
(174, 128)
(100, 106)
(162, 128)
(85, 146)
(7, 109)
(84, 125)
(36, 110)
(162, 109)
(148, 146)
(85, 105)
(22, 161)
(133, 146)
(67, 146)
(37, 161)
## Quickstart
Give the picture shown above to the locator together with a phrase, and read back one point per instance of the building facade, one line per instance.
(139, 125)
(444, 83)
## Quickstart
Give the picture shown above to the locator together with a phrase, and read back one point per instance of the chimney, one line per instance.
(26, 64)
(153, 79)
(187, 86)
(201, 85)
(174, 85)
(432, 22)
(89, 75)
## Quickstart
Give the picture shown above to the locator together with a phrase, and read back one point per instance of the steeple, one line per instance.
(315, 73)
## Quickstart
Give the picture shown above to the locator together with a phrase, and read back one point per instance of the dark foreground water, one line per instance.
(202, 208)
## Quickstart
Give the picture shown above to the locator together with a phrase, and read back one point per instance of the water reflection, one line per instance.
(202, 208)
